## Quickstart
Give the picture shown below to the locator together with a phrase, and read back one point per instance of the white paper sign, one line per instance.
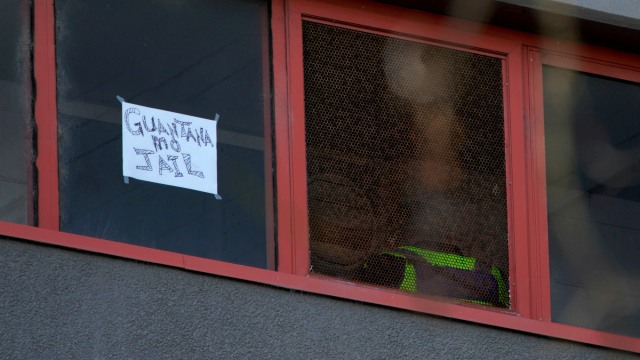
(169, 148)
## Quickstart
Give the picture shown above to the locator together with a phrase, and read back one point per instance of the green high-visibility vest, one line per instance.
(451, 275)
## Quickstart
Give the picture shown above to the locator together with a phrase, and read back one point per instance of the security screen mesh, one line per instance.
(405, 165)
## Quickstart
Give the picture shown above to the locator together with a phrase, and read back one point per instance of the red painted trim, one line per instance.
(538, 248)
(284, 197)
(381, 18)
(325, 286)
(46, 113)
(629, 71)
(80, 242)
(298, 158)
(516, 181)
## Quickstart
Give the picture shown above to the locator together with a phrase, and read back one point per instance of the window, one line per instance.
(198, 58)
(16, 171)
(593, 191)
(405, 157)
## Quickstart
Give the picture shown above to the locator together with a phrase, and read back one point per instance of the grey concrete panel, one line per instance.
(64, 304)
(616, 12)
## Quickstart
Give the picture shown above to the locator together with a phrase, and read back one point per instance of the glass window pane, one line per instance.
(15, 111)
(196, 57)
(593, 187)
(406, 165)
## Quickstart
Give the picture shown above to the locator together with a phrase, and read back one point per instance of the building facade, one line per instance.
(319, 179)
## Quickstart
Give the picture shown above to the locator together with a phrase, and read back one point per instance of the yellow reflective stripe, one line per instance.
(479, 302)
(409, 280)
(443, 259)
(503, 295)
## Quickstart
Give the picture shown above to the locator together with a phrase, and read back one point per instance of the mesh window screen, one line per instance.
(406, 165)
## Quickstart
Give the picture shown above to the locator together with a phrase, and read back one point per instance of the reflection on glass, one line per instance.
(406, 165)
(15, 111)
(593, 187)
(199, 58)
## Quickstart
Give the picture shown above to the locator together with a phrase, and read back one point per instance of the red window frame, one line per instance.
(583, 59)
(417, 27)
(523, 56)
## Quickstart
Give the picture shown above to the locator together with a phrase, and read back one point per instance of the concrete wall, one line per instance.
(63, 304)
(616, 12)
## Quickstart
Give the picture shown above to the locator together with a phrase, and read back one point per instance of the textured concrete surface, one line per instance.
(63, 304)
(597, 10)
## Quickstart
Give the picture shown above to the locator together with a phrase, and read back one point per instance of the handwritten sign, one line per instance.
(169, 148)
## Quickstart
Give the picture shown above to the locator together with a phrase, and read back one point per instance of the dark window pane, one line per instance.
(406, 165)
(15, 111)
(593, 187)
(197, 57)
